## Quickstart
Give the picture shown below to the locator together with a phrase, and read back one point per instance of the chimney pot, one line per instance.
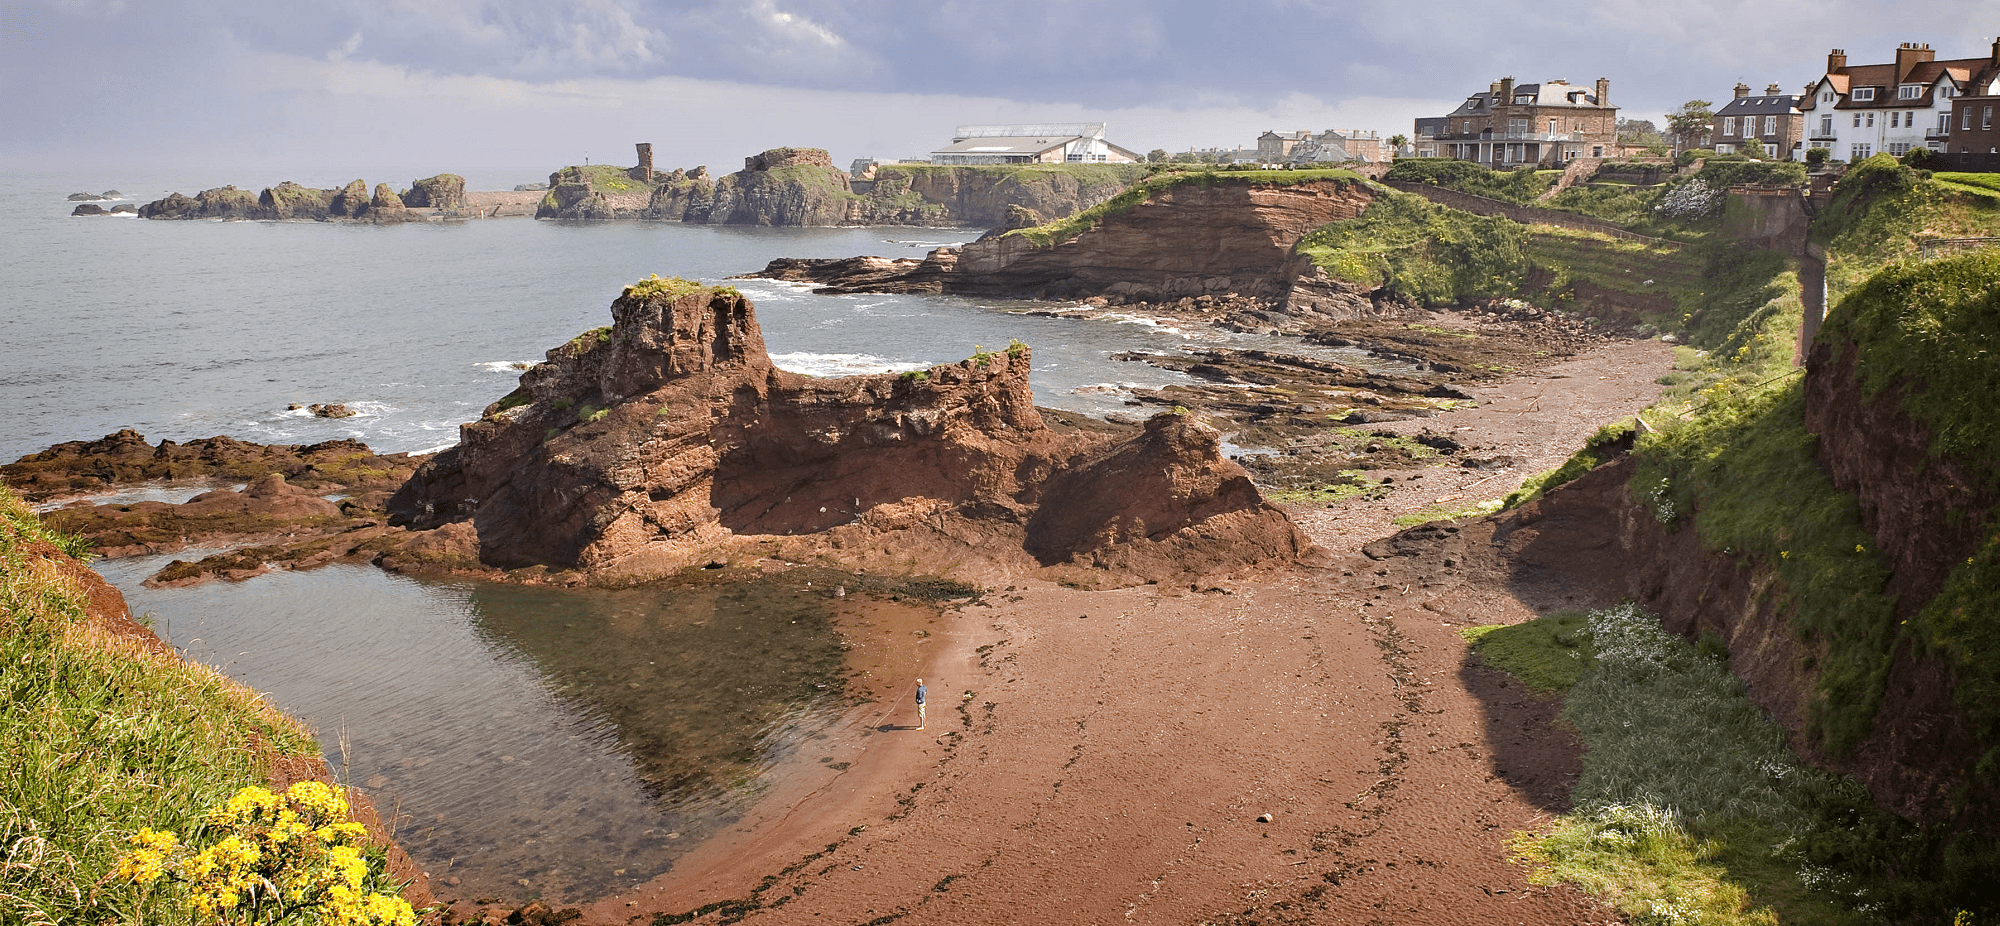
(1742, 90)
(1772, 90)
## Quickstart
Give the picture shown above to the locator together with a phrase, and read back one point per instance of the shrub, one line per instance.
(1428, 253)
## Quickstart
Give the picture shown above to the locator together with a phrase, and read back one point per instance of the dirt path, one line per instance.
(1105, 757)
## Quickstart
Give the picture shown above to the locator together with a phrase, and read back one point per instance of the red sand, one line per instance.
(1101, 757)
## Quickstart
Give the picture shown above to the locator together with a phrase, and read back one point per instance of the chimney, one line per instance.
(1742, 90)
(1506, 89)
(1908, 56)
(1836, 60)
(1773, 90)
(1996, 53)
(1603, 92)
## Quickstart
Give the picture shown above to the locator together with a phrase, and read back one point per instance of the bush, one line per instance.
(1425, 252)
(1515, 186)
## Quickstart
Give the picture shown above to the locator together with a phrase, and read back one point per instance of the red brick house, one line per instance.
(1548, 124)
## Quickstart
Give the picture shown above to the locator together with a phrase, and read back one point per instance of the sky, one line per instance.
(253, 92)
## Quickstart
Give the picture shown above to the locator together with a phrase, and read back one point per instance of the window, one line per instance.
(1944, 123)
(1871, 120)
(1770, 125)
(1826, 97)
(1898, 148)
(1863, 94)
(1728, 126)
(1725, 149)
(1947, 91)
(1909, 91)
(1857, 120)
(1965, 119)
(1861, 151)
(1826, 124)
(1517, 127)
(1986, 118)
(1895, 119)
(1552, 127)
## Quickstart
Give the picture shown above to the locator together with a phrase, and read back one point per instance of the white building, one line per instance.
(1080, 143)
(1860, 110)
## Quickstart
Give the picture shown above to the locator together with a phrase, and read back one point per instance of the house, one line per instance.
(1328, 147)
(1032, 144)
(1509, 124)
(1859, 110)
(1769, 126)
(1424, 142)
(1277, 147)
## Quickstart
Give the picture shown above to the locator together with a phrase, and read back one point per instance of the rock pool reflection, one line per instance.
(531, 742)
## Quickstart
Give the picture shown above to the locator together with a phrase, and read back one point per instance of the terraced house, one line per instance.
(1770, 126)
(1860, 110)
(1550, 124)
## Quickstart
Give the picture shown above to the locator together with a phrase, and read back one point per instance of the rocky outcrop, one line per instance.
(669, 440)
(124, 458)
(444, 191)
(443, 194)
(782, 186)
(1205, 236)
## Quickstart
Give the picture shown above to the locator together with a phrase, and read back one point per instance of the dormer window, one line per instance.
(1863, 94)
(1909, 91)
(1522, 100)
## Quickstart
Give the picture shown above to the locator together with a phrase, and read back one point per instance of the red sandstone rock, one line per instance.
(670, 439)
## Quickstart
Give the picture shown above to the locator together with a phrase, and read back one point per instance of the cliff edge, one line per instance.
(669, 440)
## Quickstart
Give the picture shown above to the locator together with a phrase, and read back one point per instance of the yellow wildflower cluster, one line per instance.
(273, 855)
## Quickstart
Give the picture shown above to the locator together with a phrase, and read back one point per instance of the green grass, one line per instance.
(1415, 248)
(1515, 186)
(98, 739)
(1879, 211)
(1446, 512)
(1690, 809)
(1062, 230)
(1933, 329)
(603, 177)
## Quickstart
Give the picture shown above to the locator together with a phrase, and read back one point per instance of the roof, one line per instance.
(1552, 93)
(1960, 71)
(1779, 105)
(1002, 145)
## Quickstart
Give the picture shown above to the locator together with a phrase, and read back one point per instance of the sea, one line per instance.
(529, 743)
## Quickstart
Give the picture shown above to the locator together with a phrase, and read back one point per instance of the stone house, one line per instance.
(1769, 126)
(1859, 110)
(1548, 124)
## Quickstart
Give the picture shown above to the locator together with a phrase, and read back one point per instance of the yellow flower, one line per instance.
(318, 798)
(1858, 548)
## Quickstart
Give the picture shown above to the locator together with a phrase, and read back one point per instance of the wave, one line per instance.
(504, 366)
(817, 364)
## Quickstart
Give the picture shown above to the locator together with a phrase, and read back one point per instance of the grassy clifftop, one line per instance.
(101, 737)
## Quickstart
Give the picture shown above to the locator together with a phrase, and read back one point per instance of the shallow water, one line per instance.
(530, 742)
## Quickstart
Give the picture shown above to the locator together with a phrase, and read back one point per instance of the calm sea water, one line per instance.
(539, 743)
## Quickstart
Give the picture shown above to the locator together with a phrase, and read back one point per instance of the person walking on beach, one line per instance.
(921, 723)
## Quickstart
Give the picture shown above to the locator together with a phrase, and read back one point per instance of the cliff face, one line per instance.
(670, 439)
(1223, 236)
(982, 196)
(1190, 239)
(1927, 514)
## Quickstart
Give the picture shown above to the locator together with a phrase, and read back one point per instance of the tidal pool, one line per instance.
(551, 743)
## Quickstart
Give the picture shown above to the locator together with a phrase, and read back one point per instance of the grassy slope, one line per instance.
(1731, 428)
(98, 739)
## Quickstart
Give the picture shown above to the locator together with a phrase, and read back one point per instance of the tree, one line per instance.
(1640, 133)
(1691, 124)
(1396, 143)
(1156, 156)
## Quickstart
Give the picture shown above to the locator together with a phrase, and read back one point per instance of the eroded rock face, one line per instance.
(1232, 237)
(669, 439)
